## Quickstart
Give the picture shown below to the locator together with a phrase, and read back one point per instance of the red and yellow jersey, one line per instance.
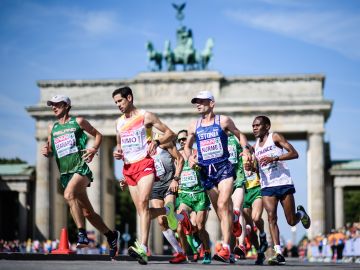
(134, 137)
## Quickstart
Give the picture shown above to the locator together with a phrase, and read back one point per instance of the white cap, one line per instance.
(57, 99)
(203, 95)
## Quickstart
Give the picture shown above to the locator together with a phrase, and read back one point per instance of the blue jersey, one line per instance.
(212, 143)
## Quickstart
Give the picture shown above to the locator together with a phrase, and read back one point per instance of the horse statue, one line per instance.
(154, 56)
(169, 56)
(204, 57)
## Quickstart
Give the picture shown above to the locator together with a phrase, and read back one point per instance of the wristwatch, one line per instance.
(157, 142)
(176, 178)
(276, 158)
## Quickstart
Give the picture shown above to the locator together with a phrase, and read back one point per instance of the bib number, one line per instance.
(65, 145)
(211, 148)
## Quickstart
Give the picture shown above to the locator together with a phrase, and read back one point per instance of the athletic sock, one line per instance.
(277, 249)
(144, 248)
(190, 240)
(82, 231)
(170, 236)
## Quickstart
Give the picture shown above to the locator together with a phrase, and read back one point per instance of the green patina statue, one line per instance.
(184, 53)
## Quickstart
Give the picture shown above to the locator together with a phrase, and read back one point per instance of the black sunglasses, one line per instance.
(181, 139)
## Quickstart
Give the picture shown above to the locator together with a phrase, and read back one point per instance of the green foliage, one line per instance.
(351, 205)
(12, 161)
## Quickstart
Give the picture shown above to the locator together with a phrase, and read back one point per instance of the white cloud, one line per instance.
(338, 31)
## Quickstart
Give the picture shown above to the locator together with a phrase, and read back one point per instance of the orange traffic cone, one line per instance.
(64, 244)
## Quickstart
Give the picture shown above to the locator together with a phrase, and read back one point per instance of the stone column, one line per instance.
(339, 207)
(22, 215)
(315, 187)
(42, 206)
(95, 190)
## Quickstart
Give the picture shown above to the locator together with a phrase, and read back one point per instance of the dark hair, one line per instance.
(264, 119)
(181, 131)
(123, 91)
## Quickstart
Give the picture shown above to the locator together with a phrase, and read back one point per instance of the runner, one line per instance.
(193, 198)
(216, 171)
(237, 197)
(276, 183)
(135, 146)
(165, 190)
(67, 142)
(252, 209)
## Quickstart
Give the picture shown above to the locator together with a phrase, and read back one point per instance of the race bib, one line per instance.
(233, 154)
(65, 145)
(211, 148)
(188, 178)
(131, 140)
(159, 166)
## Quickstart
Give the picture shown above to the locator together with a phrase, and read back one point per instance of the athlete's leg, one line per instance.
(201, 218)
(256, 213)
(238, 200)
(140, 195)
(224, 208)
(77, 198)
(158, 211)
(179, 230)
(249, 221)
(270, 205)
(288, 204)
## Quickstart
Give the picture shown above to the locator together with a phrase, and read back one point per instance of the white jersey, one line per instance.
(275, 173)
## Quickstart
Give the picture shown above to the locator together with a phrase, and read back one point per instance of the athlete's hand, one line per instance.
(89, 154)
(266, 160)
(122, 184)
(193, 161)
(152, 148)
(118, 154)
(174, 186)
(45, 150)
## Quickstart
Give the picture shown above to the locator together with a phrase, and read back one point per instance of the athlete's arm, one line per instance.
(118, 154)
(188, 145)
(90, 152)
(227, 124)
(151, 120)
(179, 163)
(281, 142)
(46, 150)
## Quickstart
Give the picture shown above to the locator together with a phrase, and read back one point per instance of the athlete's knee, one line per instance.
(162, 221)
(292, 220)
(69, 195)
(272, 217)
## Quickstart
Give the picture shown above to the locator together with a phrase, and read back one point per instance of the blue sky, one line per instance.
(44, 40)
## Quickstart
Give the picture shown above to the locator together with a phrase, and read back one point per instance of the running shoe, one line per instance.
(240, 251)
(195, 257)
(260, 258)
(207, 258)
(278, 259)
(179, 258)
(138, 253)
(83, 241)
(232, 258)
(223, 255)
(263, 244)
(186, 223)
(306, 222)
(114, 244)
(237, 229)
(171, 218)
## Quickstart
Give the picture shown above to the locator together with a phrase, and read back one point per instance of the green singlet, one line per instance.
(234, 150)
(67, 141)
(191, 191)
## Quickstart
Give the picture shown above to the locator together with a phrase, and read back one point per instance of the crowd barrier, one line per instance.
(351, 249)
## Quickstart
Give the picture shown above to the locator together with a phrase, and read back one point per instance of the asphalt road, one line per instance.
(43, 264)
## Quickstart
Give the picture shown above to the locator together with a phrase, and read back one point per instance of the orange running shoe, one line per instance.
(223, 255)
(179, 258)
